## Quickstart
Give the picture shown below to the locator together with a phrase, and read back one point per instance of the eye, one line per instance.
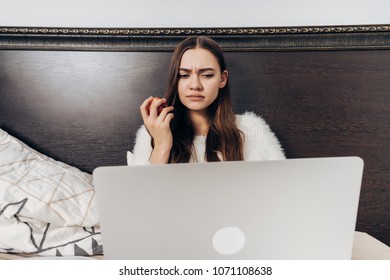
(183, 76)
(208, 75)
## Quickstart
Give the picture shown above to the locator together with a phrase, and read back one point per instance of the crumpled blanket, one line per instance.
(46, 207)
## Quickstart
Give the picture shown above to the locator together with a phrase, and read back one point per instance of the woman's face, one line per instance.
(200, 79)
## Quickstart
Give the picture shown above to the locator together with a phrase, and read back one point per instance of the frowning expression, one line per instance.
(200, 79)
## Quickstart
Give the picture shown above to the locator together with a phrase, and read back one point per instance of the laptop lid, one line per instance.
(289, 209)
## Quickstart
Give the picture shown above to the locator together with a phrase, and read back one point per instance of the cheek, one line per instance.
(180, 90)
(180, 87)
(214, 86)
(180, 84)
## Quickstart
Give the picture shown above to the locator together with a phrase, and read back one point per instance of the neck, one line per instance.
(200, 122)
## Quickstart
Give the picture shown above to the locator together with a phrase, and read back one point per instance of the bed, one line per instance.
(70, 97)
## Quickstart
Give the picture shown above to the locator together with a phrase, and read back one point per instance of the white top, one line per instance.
(199, 148)
(260, 143)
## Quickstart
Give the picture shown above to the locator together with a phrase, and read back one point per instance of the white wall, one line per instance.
(195, 13)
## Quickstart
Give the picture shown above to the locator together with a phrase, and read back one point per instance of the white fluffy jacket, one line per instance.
(260, 143)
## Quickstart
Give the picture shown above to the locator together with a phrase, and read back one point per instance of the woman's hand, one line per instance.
(157, 122)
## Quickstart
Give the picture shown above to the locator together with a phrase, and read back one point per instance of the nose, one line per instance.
(195, 83)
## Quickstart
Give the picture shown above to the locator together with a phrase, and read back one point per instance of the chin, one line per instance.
(194, 107)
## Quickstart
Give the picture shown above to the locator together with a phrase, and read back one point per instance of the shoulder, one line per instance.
(249, 121)
(142, 148)
(142, 134)
(260, 142)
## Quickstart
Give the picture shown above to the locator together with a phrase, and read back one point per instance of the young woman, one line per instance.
(197, 123)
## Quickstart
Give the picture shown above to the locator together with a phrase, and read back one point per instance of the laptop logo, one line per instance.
(228, 240)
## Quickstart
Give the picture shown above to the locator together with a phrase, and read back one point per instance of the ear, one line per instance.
(224, 79)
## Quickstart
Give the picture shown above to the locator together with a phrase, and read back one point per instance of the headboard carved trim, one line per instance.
(165, 39)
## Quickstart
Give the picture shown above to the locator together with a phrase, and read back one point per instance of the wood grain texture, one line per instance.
(327, 104)
(83, 107)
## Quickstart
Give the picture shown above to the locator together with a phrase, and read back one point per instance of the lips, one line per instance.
(195, 97)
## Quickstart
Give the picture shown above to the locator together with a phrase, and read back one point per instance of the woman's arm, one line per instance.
(156, 125)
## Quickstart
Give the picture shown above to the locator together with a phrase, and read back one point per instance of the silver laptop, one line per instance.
(288, 209)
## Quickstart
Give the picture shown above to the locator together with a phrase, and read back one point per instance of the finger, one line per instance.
(159, 102)
(165, 111)
(168, 119)
(144, 107)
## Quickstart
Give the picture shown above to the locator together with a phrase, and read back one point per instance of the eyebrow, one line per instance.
(200, 70)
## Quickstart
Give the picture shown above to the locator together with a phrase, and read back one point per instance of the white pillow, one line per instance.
(46, 206)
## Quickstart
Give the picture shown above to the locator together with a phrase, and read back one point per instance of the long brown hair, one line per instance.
(223, 136)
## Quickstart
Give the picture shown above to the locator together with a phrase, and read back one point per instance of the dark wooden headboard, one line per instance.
(74, 94)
